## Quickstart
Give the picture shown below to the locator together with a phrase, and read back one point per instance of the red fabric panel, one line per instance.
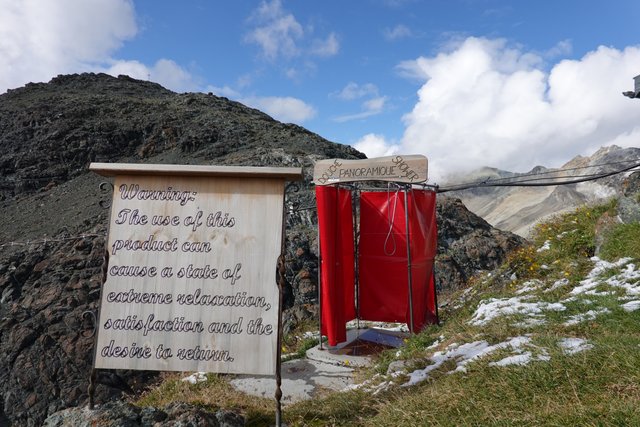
(424, 237)
(383, 274)
(335, 225)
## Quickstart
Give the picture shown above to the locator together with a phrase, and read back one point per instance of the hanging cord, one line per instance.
(392, 219)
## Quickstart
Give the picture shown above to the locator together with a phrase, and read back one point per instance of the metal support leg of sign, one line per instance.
(281, 270)
(278, 393)
(409, 273)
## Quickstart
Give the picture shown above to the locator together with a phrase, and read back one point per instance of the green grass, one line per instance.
(595, 387)
(622, 241)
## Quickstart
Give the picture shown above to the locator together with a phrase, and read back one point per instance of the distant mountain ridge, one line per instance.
(518, 209)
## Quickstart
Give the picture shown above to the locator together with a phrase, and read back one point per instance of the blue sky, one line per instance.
(468, 83)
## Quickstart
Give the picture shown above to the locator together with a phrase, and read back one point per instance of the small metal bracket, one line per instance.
(90, 315)
(105, 187)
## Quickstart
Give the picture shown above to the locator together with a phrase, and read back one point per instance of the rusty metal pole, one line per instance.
(409, 273)
(278, 393)
(356, 266)
(281, 270)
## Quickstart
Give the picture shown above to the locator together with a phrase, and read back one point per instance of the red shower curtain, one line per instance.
(335, 226)
(383, 278)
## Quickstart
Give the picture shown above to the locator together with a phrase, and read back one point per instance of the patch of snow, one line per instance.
(530, 322)
(196, 377)
(545, 246)
(574, 345)
(436, 342)
(518, 359)
(595, 293)
(631, 306)
(463, 354)
(575, 298)
(589, 315)
(557, 284)
(625, 278)
(600, 267)
(496, 307)
(529, 286)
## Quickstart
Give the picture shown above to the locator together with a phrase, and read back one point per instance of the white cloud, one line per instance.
(485, 103)
(284, 109)
(354, 91)
(280, 36)
(370, 107)
(165, 72)
(225, 91)
(277, 32)
(39, 40)
(563, 47)
(328, 47)
(398, 32)
(375, 105)
(374, 145)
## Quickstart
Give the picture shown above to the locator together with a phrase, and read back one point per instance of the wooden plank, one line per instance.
(411, 169)
(113, 169)
(191, 276)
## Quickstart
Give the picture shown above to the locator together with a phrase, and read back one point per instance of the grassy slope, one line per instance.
(599, 384)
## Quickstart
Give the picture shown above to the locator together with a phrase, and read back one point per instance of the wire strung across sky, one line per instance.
(538, 179)
(544, 179)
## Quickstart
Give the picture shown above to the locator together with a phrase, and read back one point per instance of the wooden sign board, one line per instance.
(410, 169)
(191, 278)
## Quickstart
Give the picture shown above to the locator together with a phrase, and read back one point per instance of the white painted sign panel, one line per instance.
(191, 279)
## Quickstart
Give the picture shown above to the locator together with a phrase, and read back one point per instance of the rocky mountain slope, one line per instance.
(517, 209)
(53, 228)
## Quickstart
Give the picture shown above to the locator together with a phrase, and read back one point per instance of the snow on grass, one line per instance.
(631, 306)
(592, 280)
(626, 279)
(463, 354)
(545, 246)
(589, 315)
(574, 345)
(557, 284)
(530, 286)
(196, 377)
(493, 308)
(621, 275)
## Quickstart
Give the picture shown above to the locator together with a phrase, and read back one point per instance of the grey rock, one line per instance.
(629, 209)
(121, 414)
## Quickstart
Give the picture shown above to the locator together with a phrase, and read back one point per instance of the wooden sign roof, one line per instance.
(113, 169)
